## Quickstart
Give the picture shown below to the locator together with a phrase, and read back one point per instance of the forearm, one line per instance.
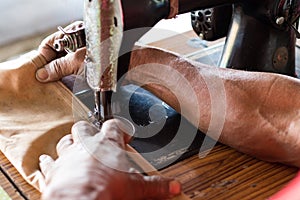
(173, 80)
(261, 109)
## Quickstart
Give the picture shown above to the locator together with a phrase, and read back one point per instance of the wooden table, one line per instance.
(223, 174)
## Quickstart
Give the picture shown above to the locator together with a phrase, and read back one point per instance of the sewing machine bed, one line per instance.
(223, 174)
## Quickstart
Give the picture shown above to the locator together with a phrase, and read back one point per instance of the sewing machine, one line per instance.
(260, 36)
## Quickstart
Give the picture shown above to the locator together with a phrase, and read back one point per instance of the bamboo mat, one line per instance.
(223, 174)
(228, 174)
(9, 188)
(15, 186)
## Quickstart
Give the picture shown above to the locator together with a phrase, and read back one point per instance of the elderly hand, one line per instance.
(93, 165)
(59, 64)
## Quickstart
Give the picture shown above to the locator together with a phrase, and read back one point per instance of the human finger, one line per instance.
(119, 129)
(155, 187)
(67, 65)
(46, 164)
(74, 26)
(46, 48)
(64, 143)
(82, 130)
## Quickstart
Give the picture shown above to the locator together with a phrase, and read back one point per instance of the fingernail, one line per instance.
(43, 157)
(174, 187)
(42, 74)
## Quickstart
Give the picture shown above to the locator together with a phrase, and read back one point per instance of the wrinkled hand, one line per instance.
(93, 165)
(59, 64)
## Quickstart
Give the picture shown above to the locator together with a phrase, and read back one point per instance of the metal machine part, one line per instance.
(258, 41)
(261, 37)
(104, 30)
(212, 23)
(102, 35)
(285, 14)
(261, 34)
(72, 40)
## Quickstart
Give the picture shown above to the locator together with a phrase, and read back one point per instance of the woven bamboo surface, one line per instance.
(228, 174)
(9, 188)
(14, 184)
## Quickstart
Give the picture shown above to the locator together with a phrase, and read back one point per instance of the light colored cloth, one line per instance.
(33, 116)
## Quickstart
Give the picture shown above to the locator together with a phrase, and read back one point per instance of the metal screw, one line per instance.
(60, 44)
(280, 20)
(90, 114)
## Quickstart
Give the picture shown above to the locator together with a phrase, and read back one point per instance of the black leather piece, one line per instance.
(162, 135)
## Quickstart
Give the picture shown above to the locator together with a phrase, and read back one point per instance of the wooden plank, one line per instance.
(181, 43)
(177, 43)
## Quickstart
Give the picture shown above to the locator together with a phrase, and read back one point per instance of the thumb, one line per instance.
(55, 70)
(157, 187)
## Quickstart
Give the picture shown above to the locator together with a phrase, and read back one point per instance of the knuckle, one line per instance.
(81, 124)
(55, 70)
(63, 142)
(111, 129)
(78, 59)
(79, 55)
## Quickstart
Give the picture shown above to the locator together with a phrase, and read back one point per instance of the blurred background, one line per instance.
(25, 23)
